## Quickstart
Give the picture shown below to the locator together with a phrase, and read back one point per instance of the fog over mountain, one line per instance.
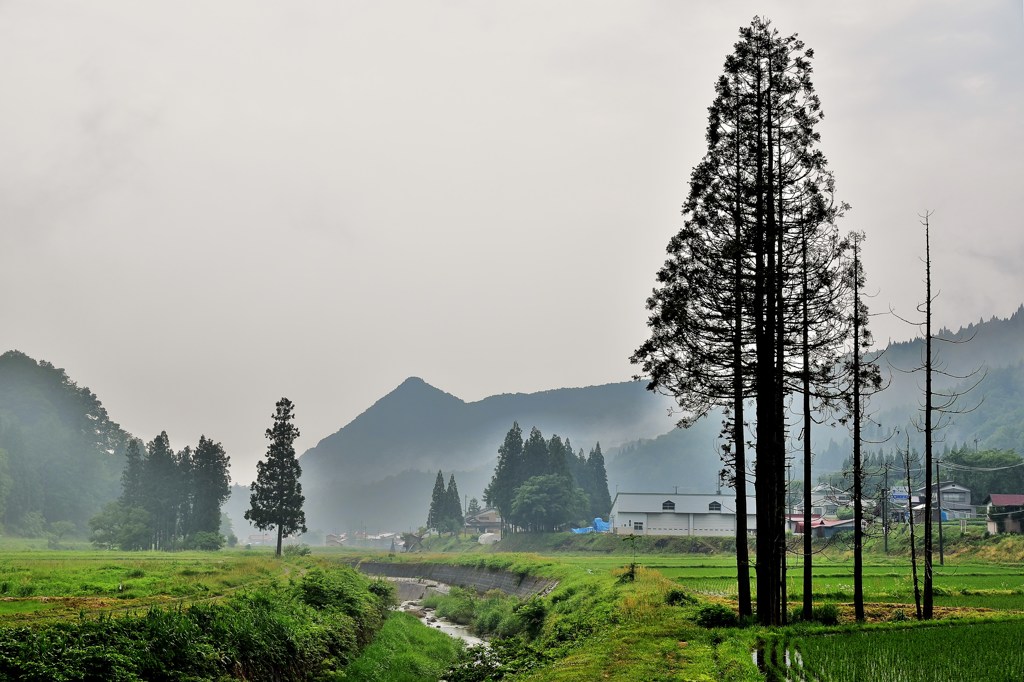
(376, 472)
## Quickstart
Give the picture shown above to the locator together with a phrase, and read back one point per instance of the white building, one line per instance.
(678, 514)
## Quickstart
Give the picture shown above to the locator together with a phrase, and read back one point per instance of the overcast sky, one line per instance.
(208, 206)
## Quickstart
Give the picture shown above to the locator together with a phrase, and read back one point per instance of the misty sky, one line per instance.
(208, 206)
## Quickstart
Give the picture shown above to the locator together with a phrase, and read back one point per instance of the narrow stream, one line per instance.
(428, 618)
(411, 592)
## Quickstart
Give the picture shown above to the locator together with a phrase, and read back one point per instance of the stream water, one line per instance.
(428, 618)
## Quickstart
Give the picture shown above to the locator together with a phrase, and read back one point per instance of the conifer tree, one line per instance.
(600, 498)
(438, 504)
(725, 318)
(133, 492)
(211, 485)
(276, 499)
(162, 491)
(507, 475)
(454, 520)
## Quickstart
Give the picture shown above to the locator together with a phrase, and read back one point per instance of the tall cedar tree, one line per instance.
(133, 492)
(211, 485)
(454, 519)
(438, 503)
(501, 490)
(276, 499)
(726, 320)
(162, 491)
(600, 498)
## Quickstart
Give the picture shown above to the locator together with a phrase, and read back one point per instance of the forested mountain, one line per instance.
(61, 456)
(378, 471)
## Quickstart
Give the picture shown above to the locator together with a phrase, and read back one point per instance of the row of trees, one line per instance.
(541, 485)
(168, 499)
(759, 299)
(445, 513)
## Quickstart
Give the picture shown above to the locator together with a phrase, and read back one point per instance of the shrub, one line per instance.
(297, 550)
(716, 616)
(677, 597)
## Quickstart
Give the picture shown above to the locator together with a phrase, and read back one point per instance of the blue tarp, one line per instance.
(598, 527)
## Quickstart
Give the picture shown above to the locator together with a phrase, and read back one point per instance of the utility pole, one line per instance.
(885, 509)
(938, 495)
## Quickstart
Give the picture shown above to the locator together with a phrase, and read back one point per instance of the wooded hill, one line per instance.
(61, 456)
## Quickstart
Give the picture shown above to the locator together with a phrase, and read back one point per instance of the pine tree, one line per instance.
(211, 485)
(507, 476)
(133, 492)
(454, 520)
(438, 504)
(276, 499)
(600, 498)
(726, 317)
(162, 491)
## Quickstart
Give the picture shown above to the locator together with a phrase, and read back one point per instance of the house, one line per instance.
(678, 514)
(825, 528)
(1004, 513)
(956, 500)
(486, 521)
(795, 522)
(826, 500)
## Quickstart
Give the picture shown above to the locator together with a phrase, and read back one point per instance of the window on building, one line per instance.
(638, 526)
(715, 506)
(668, 505)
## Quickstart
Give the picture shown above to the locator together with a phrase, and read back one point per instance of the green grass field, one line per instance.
(595, 624)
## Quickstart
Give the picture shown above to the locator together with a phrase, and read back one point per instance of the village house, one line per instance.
(678, 514)
(825, 500)
(1004, 513)
(486, 521)
(956, 500)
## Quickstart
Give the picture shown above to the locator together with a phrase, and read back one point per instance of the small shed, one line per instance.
(1005, 513)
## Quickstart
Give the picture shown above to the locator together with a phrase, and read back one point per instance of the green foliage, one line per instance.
(404, 651)
(57, 439)
(716, 615)
(121, 526)
(297, 550)
(970, 651)
(276, 494)
(299, 633)
(825, 614)
(548, 502)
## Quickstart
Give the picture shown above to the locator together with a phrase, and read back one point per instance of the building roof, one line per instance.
(1006, 500)
(684, 502)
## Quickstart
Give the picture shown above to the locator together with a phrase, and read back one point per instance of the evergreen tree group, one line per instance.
(445, 514)
(168, 500)
(541, 485)
(758, 299)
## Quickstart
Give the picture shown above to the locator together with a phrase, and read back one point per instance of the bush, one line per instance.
(716, 616)
(677, 597)
(826, 614)
(297, 550)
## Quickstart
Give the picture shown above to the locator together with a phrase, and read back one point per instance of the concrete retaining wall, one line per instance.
(480, 579)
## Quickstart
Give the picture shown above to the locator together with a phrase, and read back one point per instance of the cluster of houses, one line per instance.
(715, 514)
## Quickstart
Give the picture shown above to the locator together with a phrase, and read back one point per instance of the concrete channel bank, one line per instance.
(480, 579)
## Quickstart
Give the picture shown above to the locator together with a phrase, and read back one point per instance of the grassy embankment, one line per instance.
(676, 619)
(185, 616)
